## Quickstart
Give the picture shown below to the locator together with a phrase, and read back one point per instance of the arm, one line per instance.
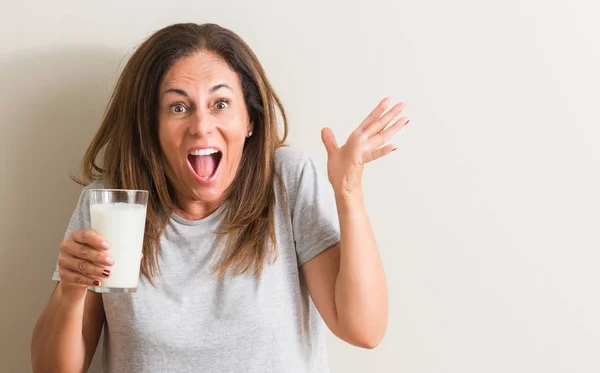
(67, 333)
(347, 282)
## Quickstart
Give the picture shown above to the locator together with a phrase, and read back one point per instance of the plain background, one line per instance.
(487, 215)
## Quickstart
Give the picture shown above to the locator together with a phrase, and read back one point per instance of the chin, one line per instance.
(210, 194)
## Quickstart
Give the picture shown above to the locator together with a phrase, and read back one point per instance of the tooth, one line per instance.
(206, 151)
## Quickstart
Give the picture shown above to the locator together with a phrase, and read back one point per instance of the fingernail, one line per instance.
(106, 272)
(394, 149)
(109, 260)
(106, 245)
(407, 122)
(97, 283)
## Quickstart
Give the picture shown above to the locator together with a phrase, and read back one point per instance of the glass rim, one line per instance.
(120, 190)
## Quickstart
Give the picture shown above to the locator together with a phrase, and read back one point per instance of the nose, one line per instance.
(201, 124)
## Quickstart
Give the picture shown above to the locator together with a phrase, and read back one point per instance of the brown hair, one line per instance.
(127, 142)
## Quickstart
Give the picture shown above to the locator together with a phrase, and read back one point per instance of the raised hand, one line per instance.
(365, 144)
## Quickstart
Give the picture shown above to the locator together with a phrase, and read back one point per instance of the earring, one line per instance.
(249, 133)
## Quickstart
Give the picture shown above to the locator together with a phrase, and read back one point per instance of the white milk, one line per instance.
(122, 224)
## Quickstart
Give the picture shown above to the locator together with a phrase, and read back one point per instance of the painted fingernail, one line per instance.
(407, 122)
(96, 283)
(106, 245)
(109, 260)
(106, 272)
(394, 149)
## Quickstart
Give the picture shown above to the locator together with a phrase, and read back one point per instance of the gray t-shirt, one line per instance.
(191, 321)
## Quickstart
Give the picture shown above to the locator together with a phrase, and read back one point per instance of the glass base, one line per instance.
(114, 290)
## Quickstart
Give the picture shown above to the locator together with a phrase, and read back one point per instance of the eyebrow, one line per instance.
(181, 92)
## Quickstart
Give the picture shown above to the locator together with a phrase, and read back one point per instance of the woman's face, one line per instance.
(202, 126)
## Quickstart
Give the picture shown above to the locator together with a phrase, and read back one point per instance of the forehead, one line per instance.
(202, 68)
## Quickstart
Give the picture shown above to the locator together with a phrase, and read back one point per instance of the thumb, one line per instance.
(329, 140)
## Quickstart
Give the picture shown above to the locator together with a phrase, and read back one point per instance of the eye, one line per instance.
(178, 109)
(222, 104)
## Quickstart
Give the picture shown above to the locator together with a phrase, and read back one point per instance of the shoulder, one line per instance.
(84, 195)
(80, 219)
(95, 184)
(295, 166)
(290, 157)
(299, 172)
(85, 192)
(292, 162)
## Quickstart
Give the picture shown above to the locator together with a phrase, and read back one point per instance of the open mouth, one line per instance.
(205, 163)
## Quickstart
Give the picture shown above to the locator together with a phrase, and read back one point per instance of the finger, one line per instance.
(85, 252)
(375, 114)
(380, 152)
(82, 266)
(384, 136)
(379, 124)
(329, 140)
(91, 238)
(76, 278)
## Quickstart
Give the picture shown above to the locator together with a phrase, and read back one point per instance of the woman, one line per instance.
(247, 249)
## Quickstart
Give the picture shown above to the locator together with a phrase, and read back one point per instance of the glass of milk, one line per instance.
(119, 216)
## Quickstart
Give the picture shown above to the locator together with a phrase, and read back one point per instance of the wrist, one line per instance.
(70, 294)
(350, 205)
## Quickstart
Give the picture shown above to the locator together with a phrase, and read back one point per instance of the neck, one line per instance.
(195, 210)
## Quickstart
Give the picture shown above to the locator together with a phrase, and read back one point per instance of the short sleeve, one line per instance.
(80, 219)
(314, 216)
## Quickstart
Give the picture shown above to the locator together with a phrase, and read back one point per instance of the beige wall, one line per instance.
(487, 215)
(52, 101)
